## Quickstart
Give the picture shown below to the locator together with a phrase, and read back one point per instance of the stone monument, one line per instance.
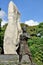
(13, 30)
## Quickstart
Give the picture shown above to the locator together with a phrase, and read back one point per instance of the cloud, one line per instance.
(31, 22)
(3, 23)
(2, 14)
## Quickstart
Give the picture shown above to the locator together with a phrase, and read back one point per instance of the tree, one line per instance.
(0, 24)
(0, 33)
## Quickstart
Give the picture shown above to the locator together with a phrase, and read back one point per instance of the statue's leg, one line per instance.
(30, 57)
(20, 58)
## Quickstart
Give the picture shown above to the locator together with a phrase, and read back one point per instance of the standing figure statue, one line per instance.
(23, 46)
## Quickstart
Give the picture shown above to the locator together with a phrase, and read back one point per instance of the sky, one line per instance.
(31, 11)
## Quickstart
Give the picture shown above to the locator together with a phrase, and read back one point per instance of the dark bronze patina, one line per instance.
(23, 46)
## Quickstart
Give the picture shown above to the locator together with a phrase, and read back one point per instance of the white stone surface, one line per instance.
(13, 30)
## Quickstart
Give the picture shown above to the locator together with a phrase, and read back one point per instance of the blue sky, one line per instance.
(29, 9)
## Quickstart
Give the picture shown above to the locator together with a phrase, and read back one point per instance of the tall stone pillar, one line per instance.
(13, 30)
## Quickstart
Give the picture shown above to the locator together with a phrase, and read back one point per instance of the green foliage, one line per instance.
(30, 42)
(0, 24)
(1, 36)
(0, 30)
(0, 20)
(41, 25)
(36, 47)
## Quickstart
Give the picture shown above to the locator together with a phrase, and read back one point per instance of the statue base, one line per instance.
(14, 60)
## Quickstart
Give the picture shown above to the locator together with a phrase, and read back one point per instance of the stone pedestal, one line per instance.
(9, 59)
(13, 60)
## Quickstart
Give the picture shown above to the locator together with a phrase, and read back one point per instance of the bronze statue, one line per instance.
(23, 46)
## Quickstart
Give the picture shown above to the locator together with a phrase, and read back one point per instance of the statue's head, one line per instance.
(24, 29)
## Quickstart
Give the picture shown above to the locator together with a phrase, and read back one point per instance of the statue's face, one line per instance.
(24, 29)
